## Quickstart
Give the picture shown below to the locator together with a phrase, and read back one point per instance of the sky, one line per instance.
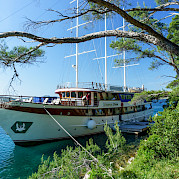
(42, 78)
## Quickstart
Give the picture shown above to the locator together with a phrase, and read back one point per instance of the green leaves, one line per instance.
(140, 50)
(75, 162)
(146, 17)
(125, 44)
(173, 31)
(115, 142)
(159, 2)
(19, 55)
(166, 129)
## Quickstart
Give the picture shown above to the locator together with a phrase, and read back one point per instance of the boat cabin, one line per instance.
(78, 96)
(90, 97)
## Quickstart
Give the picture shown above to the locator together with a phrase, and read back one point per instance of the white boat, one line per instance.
(26, 120)
(82, 109)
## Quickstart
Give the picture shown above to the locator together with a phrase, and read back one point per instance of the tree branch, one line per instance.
(117, 33)
(173, 14)
(152, 9)
(167, 44)
(41, 23)
(28, 53)
(159, 8)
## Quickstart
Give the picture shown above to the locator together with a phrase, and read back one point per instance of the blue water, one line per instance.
(21, 162)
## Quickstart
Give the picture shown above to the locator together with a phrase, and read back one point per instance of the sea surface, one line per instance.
(21, 162)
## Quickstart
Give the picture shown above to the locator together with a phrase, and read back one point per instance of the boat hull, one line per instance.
(28, 128)
(25, 127)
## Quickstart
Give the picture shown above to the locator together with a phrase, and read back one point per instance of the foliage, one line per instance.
(147, 18)
(159, 2)
(164, 138)
(173, 30)
(158, 156)
(17, 55)
(131, 45)
(173, 34)
(115, 142)
(173, 84)
(154, 169)
(157, 55)
(75, 163)
(71, 163)
(149, 96)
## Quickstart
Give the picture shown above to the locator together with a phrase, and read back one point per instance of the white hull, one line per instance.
(138, 116)
(44, 128)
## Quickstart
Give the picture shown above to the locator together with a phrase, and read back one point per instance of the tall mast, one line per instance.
(77, 48)
(77, 24)
(105, 55)
(124, 59)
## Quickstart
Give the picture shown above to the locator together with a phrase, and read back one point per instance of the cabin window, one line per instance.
(106, 95)
(117, 97)
(101, 96)
(116, 111)
(98, 112)
(95, 95)
(63, 94)
(80, 94)
(68, 94)
(123, 97)
(128, 97)
(73, 94)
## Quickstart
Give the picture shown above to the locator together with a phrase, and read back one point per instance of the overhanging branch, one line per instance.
(167, 44)
(17, 59)
(117, 33)
(152, 9)
(159, 8)
(64, 17)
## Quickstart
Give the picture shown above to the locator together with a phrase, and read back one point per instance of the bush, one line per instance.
(157, 156)
(75, 163)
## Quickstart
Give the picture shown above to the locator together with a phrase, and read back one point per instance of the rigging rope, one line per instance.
(94, 158)
(98, 62)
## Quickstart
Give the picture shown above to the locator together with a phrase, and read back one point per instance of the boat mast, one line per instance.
(77, 34)
(77, 24)
(105, 57)
(105, 54)
(124, 59)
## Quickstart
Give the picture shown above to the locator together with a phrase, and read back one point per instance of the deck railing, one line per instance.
(5, 99)
(88, 85)
(99, 86)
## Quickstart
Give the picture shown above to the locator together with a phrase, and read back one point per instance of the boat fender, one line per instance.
(91, 124)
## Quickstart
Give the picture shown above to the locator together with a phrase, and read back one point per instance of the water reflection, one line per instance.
(6, 150)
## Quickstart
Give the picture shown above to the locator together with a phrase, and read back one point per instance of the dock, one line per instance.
(135, 127)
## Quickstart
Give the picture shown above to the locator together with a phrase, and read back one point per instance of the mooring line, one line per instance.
(95, 159)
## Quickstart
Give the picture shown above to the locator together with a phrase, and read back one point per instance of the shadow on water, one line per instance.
(16, 161)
